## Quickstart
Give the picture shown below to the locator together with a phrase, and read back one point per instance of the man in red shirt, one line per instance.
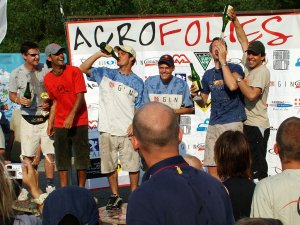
(68, 119)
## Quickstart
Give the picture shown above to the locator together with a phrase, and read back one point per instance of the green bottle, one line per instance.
(27, 93)
(225, 18)
(107, 49)
(196, 78)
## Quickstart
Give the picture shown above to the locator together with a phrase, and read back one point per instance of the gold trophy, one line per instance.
(45, 98)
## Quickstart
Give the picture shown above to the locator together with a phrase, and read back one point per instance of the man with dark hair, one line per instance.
(172, 192)
(255, 88)
(227, 108)
(34, 120)
(278, 196)
(68, 117)
(120, 94)
(167, 88)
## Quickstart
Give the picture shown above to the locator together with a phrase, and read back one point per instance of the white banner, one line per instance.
(3, 19)
(187, 39)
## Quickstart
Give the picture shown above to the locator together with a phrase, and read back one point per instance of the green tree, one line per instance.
(41, 21)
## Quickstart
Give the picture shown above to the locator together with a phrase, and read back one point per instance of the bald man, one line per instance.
(172, 192)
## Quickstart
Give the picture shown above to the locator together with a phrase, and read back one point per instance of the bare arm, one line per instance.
(184, 110)
(240, 33)
(251, 93)
(51, 119)
(13, 96)
(86, 66)
(76, 107)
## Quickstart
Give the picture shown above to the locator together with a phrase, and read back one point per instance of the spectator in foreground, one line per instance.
(172, 192)
(258, 221)
(233, 159)
(7, 198)
(278, 196)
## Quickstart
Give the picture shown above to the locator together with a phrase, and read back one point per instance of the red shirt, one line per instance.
(63, 89)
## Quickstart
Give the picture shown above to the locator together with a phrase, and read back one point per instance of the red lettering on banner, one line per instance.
(279, 35)
(274, 42)
(162, 34)
(197, 23)
(208, 40)
(231, 37)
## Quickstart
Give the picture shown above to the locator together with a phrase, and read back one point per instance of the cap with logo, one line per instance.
(53, 48)
(125, 49)
(256, 47)
(166, 59)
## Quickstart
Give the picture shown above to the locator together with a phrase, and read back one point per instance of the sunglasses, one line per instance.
(33, 55)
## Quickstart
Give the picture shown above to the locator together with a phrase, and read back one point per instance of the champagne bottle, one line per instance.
(27, 93)
(225, 18)
(107, 49)
(196, 78)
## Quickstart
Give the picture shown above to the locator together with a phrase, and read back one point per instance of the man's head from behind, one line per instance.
(155, 126)
(287, 140)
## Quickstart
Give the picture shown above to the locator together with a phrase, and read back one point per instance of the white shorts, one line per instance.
(113, 148)
(213, 133)
(32, 136)
(2, 139)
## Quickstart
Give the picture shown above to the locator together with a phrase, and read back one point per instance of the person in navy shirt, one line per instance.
(172, 192)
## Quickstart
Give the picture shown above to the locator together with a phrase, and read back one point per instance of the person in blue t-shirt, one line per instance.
(168, 89)
(227, 107)
(172, 192)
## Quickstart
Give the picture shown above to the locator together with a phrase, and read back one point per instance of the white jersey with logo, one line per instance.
(119, 96)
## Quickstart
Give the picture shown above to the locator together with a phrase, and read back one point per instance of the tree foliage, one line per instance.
(41, 20)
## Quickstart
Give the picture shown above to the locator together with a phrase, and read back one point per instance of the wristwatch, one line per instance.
(238, 79)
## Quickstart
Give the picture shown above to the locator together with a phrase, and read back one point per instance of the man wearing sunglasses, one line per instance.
(255, 88)
(34, 121)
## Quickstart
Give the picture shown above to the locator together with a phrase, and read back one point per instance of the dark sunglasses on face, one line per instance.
(59, 52)
(33, 55)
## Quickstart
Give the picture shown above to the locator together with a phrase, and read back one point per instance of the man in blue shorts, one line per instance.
(168, 89)
(172, 192)
(120, 93)
(227, 108)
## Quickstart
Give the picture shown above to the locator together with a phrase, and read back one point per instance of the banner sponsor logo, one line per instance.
(151, 61)
(181, 76)
(297, 64)
(202, 127)
(204, 58)
(280, 105)
(297, 102)
(180, 58)
(281, 59)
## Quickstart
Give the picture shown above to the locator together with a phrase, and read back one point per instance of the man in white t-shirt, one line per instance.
(278, 196)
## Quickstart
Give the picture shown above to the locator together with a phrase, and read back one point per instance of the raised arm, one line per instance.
(86, 66)
(240, 33)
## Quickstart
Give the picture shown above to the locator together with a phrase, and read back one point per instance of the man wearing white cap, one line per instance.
(68, 116)
(120, 94)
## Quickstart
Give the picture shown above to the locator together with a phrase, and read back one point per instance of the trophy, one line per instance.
(45, 98)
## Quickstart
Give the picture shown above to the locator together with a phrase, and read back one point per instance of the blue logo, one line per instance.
(298, 62)
(281, 105)
(203, 126)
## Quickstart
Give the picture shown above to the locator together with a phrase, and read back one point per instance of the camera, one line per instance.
(14, 170)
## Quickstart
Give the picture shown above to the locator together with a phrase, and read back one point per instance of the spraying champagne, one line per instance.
(225, 18)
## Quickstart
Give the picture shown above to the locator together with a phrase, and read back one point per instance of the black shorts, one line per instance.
(72, 142)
